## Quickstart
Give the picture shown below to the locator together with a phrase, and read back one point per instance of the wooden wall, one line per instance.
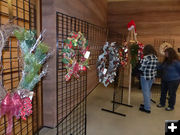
(93, 11)
(153, 18)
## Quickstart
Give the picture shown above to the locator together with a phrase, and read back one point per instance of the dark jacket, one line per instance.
(170, 72)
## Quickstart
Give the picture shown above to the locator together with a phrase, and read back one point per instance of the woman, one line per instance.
(149, 70)
(170, 78)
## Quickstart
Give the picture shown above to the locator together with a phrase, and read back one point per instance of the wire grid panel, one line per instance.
(118, 87)
(119, 80)
(71, 95)
(24, 11)
(96, 39)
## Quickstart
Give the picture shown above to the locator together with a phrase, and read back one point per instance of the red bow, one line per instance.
(13, 105)
(74, 71)
(10, 105)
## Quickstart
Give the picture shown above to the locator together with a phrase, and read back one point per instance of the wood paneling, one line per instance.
(151, 17)
(93, 11)
(155, 19)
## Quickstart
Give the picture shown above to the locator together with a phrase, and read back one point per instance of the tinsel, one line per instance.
(107, 74)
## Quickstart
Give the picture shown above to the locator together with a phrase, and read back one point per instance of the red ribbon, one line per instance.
(12, 105)
(74, 71)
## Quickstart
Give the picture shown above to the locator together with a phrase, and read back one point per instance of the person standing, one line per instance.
(149, 70)
(170, 78)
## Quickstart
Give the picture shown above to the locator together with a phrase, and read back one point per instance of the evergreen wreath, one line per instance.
(136, 51)
(18, 103)
(75, 41)
(107, 74)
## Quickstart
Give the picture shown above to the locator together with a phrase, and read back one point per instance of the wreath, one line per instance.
(136, 51)
(123, 54)
(75, 41)
(107, 75)
(163, 47)
(18, 103)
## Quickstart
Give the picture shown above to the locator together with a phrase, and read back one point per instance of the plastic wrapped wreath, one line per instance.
(18, 103)
(73, 65)
(107, 74)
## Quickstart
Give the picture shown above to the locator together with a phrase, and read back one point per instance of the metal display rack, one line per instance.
(118, 93)
(71, 95)
(24, 12)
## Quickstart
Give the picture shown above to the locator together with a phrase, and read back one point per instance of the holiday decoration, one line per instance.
(123, 54)
(131, 25)
(140, 51)
(136, 50)
(132, 35)
(34, 54)
(107, 75)
(75, 41)
(134, 53)
(163, 47)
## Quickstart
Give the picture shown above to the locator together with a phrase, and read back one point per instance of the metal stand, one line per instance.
(153, 101)
(114, 102)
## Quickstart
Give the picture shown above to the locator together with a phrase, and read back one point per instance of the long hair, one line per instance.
(149, 49)
(172, 56)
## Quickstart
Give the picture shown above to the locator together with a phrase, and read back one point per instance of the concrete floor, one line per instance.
(135, 123)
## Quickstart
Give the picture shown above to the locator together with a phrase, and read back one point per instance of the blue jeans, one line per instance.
(146, 89)
(170, 88)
